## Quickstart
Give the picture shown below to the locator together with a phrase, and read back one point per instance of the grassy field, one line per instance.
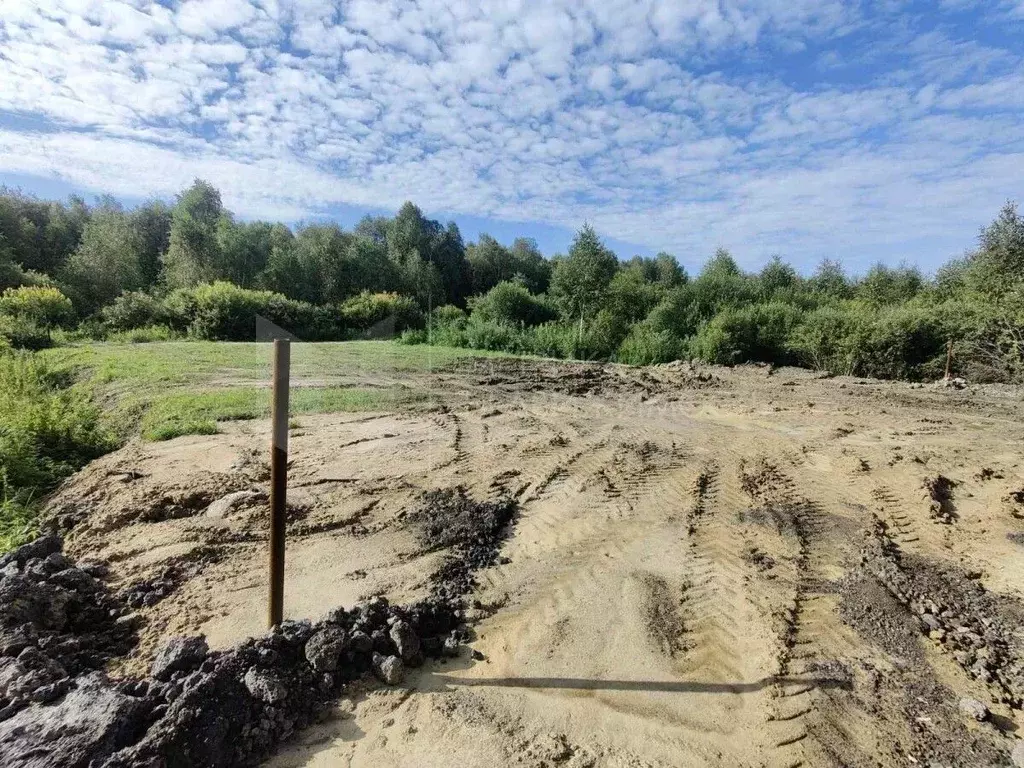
(168, 389)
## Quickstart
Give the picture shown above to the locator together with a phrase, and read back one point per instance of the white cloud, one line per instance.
(671, 123)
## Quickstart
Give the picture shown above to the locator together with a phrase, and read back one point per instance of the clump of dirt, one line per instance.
(1015, 501)
(57, 621)
(940, 491)
(472, 530)
(149, 591)
(978, 628)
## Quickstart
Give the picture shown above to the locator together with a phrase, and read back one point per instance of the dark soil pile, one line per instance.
(57, 622)
(202, 708)
(472, 530)
(978, 628)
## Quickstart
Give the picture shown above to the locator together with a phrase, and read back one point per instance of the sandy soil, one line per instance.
(685, 582)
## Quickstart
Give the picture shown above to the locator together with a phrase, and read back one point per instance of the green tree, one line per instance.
(996, 268)
(890, 285)
(152, 223)
(194, 252)
(776, 276)
(580, 280)
(830, 280)
(109, 260)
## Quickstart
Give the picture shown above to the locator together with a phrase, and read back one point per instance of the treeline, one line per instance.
(191, 268)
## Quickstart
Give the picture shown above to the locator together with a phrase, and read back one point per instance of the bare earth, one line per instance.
(685, 583)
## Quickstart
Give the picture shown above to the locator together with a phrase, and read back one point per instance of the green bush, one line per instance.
(222, 311)
(900, 342)
(756, 332)
(646, 346)
(554, 340)
(511, 303)
(381, 313)
(47, 431)
(824, 340)
(135, 309)
(490, 335)
(23, 333)
(43, 306)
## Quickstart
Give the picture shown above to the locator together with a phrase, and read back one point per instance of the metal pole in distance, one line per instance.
(278, 479)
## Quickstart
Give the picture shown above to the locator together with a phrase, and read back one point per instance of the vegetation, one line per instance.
(192, 270)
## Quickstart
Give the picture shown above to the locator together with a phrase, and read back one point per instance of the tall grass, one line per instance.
(48, 429)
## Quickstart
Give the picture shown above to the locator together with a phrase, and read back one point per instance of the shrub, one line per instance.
(755, 332)
(823, 340)
(646, 346)
(487, 334)
(554, 340)
(135, 309)
(224, 312)
(47, 431)
(43, 306)
(381, 314)
(22, 333)
(511, 303)
(901, 342)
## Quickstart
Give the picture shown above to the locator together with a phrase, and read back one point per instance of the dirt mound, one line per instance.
(580, 379)
(57, 622)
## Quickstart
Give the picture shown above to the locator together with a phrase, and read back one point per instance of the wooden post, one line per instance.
(278, 479)
(949, 358)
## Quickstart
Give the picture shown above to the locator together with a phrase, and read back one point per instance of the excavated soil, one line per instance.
(669, 566)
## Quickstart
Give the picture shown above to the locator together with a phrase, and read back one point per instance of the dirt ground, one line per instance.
(737, 567)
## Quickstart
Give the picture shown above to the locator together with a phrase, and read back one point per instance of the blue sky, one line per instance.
(873, 130)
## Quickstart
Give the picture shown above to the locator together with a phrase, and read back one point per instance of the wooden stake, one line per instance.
(278, 479)
(949, 358)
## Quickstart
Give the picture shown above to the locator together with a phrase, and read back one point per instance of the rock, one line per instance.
(406, 640)
(324, 648)
(90, 722)
(40, 548)
(451, 646)
(38, 603)
(361, 642)
(389, 669)
(179, 654)
(225, 505)
(974, 708)
(930, 621)
(265, 685)
(1017, 755)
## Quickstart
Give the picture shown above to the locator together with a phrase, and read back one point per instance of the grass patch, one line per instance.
(163, 390)
(197, 413)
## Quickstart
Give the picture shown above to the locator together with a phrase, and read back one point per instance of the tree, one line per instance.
(996, 268)
(490, 263)
(580, 280)
(722, 264)
(109, 260)
(890, 285)
(776, 275)
(668, 271)
(830, 280)
(194, 251)
(152, 222)
(243, 250)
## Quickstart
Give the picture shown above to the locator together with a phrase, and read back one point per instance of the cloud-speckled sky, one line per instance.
(865, 130)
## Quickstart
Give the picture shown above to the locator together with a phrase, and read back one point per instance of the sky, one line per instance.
(863, 130)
